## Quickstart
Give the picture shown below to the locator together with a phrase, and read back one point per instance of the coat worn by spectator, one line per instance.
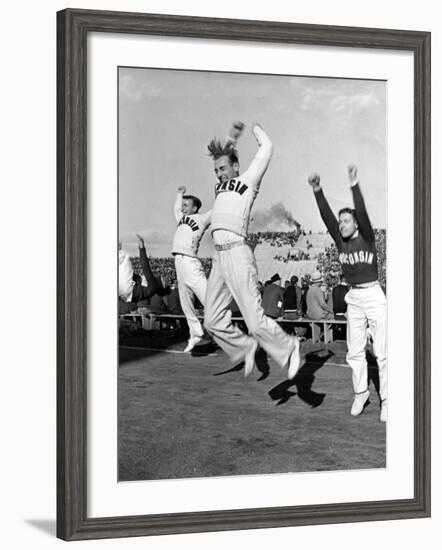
(317, 307)
(273, 298)
(339, 303)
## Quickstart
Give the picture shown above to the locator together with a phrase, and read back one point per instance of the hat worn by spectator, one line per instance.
(316, 277)
(275, 278)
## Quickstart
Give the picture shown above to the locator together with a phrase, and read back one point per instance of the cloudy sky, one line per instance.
(167, 117)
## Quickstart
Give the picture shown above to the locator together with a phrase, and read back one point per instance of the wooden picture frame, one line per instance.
(73, 27)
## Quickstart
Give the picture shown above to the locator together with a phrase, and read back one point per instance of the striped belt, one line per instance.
(228, 246)
(365, 285)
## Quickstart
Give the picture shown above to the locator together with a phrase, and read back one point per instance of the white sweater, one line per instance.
(235, 198)
(190, 229)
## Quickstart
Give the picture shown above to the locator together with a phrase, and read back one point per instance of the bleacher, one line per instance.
(321, 331)
(267, 264)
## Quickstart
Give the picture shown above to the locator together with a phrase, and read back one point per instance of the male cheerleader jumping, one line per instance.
(367, 305)
(190, 275)
(234, 272)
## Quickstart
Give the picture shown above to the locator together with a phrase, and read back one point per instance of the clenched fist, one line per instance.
(236, 130)
(182, 189)
(315, 181)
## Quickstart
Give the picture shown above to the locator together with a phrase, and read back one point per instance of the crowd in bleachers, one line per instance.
(297, 256)
(274, 238)
(167, 299)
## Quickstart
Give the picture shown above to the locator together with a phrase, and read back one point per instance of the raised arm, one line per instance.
(179, 203)
(262, 158)
(152, 282)
(324, 208)
(364, 224)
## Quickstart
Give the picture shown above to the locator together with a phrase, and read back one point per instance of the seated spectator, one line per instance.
(292, 299)
(339, 303)
(273, 297)
(126, 307)
(327, 296)
(173, 300)
(317, 307)
(156, 303)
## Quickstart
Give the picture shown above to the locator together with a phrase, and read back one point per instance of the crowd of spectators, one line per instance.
(288, 300)
(274, 238)
(297, 256)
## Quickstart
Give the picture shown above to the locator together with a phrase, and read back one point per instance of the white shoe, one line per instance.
(359, 402)
(193, 341)
(249, 359)
(383, 417)
(294, 361)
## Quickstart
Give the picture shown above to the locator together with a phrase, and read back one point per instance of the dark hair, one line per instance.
(348, 210)
(294, 279)
(226, 149)
(195, 200)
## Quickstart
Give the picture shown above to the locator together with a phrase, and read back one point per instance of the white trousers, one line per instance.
(234, 274)
(367, 309)
(191, 280)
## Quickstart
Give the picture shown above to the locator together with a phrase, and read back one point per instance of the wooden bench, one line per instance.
(324, 327)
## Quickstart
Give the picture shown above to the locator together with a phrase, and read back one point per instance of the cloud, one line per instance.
(339, 100)
(132, 89)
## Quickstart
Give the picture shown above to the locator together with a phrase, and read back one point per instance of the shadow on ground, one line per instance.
(303, 381)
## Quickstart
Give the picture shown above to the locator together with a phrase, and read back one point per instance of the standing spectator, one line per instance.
(317, 307)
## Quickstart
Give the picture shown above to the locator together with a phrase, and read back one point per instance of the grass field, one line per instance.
(184, 416)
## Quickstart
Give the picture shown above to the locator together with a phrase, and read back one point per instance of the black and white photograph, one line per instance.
(252, 276)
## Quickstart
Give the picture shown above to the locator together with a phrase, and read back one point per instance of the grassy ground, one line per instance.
(183, 416)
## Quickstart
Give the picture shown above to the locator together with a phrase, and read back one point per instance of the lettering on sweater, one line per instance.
(187, 220)
(232, 185)
(359, 257)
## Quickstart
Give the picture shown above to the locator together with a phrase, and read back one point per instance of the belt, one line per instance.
(228, 246)
(365, 285)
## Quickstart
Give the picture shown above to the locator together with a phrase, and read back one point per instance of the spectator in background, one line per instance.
(272, 300)
(327, 295)
(173, 300)
(125, 275)
(317, 307)
(290, 300)
(139, 294)
(339, 303)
